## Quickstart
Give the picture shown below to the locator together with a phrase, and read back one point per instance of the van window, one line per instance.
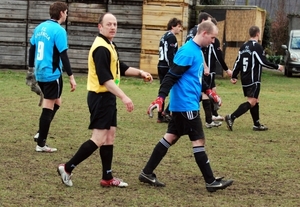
(295, 44)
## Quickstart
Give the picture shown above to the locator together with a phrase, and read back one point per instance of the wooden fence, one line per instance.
(18, 18)
(141, 23)
(136, 27)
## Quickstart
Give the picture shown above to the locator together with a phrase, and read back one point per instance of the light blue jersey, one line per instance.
(49, 39)
(186, 92)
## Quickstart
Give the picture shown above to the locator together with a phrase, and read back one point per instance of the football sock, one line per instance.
(106, 154)
(243, 108)
(206, 104)
(167, 109)
(214, 112)
(44, 125)
(159, 114)
(203, 164)
(255, 114)
(159, 151)
(84, 151)
(56, 107)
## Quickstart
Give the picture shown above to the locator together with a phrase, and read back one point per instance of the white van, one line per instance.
(292, 54)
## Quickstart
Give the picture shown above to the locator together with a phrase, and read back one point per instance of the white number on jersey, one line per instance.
(40, 51)
(161, 53)
(245, 64)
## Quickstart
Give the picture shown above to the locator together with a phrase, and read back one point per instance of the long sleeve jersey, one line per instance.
(249, 63)
(168, 46)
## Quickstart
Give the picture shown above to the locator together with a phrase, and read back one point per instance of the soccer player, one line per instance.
(48, 55)
(184, 83)
(249, 63)
(104, 72)
(212, 53)
(168, 46)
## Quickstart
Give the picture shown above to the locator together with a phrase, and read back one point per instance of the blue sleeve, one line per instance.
(61, 40)
(183, 60)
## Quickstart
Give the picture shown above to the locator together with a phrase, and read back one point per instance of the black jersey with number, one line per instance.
(249, 63)
(168, 46)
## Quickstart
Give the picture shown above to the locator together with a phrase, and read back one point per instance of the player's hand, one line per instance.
(229, 72)
(146, 76)
(233, 80)
(206, 70)
(157, 103)
(128, 103)
(281, 68)
(72, 83)
(214, 96)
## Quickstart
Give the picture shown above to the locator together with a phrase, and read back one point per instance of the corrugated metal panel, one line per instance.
(291, 6)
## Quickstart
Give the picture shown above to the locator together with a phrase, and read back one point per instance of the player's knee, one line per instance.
(252, 101)
(199, 143)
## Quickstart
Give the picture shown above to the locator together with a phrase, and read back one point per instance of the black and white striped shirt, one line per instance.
(249, 63)
(168, 46)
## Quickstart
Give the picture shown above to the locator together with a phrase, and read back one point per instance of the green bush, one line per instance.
(277, 59)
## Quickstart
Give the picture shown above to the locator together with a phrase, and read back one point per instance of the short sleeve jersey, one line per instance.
(186, 92)
(49, 39)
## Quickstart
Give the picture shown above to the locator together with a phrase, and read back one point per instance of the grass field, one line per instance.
(265, 166)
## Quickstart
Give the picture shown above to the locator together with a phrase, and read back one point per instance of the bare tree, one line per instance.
(279, 31)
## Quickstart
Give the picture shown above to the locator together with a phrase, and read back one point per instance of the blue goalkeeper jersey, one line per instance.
(49, 39)
(186, 92)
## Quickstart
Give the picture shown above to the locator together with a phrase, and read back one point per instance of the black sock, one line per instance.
(159, 114)
(84, 151)
(159, 151)
(203, 164)
(213, 111)
(44, 125)
(255, 114)
(106, 155)
(207, 110)
(167, 109)
(243, 108)
(56, 107)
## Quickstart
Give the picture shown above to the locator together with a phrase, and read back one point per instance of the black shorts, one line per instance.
(53, 89)
(103, 110)
(186, 123)
(162, 73)
(252, 91)
(210, 80)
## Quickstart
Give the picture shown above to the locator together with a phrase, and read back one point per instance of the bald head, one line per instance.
(206, 34)
(207, 26)
(108, 25)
